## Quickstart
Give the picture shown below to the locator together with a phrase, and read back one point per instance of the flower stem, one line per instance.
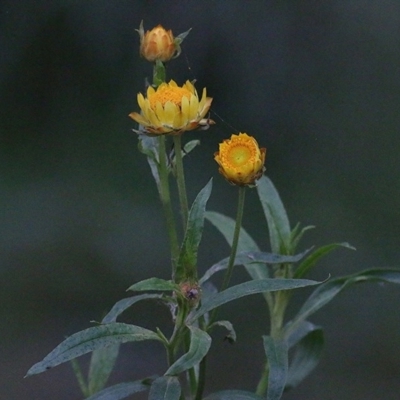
(180, 178)
(235, 241)
(166, 202)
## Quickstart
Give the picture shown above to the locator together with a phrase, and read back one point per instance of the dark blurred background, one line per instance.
(317, 83)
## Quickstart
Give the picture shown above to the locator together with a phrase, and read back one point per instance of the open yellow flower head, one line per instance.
(240, 159)
(171, 109)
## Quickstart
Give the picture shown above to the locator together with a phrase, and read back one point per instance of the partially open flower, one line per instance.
(240, 159)
(171, 109)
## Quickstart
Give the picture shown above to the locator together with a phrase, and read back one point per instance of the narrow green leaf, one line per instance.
(120, 391)
(121, 305)
(315, 256)
(187, 261)
(327, 291)
(246, 289)
(228, 326)
(233, 395)
(200, 343)
(154, 284)
(226, 226)
(275, 214)
(271, 258)
(165, 388)
(91, 339)
(101, 365)
(149, 145)
(297, 234)
(307, 356)
(277, 355)
(189, 146)
(80, 378)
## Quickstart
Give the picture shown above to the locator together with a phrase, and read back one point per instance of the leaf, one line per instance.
(226, 226)
(200, 343)
(297, 234)
(80, 378)
(165, 388)
(101, 365)
(271, 258)
(91, 339)
(307, 356)
(276, 351)
(149, 145)
(327, 291)
(275, 214)
(229, 327)
(189, 146)
(315, 256)
(246, 289)
(121, 305)
(154, 284)
(187, 261)
(120, 391)
(233, 395)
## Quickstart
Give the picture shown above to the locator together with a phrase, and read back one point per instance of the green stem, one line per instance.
(262, 386)
(180, 178)
(235, 241)
(166, 202)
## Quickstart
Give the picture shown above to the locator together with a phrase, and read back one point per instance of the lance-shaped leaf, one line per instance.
(121, 305)
(233, 395)
(307, 356)
(200, 343)
(231, 337)
(149, 145)
(328, 290)
(246, 289)
(226, 226)
(154, 284)
(120, 391)
(275, 214)
(91, 339)
(187, 261)
(276, 351)
(165, 388)
(315, 256)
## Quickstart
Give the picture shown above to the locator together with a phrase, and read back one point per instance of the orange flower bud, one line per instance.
(240, 159)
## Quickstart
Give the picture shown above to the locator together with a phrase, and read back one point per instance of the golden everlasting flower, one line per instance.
(160, 44)
(172, 109)
(240, 159)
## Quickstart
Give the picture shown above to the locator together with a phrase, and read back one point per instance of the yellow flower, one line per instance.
(240, 159)
(172, 109)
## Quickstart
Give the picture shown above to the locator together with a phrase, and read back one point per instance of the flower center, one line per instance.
(167, 93)
(239, 154)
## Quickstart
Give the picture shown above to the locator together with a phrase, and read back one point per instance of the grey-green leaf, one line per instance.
(121, 305)
(226, 226)
(328, 290)
(120, 391)
(233, 395)
(154, 284)
(276, 351)
(91, 339)
(315, 256)
(228, 326)
(200, 343)
(275, 214)
(101, 365)
(187, 261)
(165, 388)
(246, 289)
(307, 356)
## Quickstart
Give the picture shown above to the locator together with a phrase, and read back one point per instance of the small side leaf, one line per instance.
(275, 214)
(91, 339)
(307, 356)
(120, 391)
(200, 343)
(233, 395)
(153, 284)
(165, 388)
(229, 327)
(315, 256)
(226, 226)
(277, 355)
(121, 305)
(101, 365)
(187, 261)
(246, 289)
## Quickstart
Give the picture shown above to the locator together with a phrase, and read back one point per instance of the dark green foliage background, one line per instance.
(317, 83)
